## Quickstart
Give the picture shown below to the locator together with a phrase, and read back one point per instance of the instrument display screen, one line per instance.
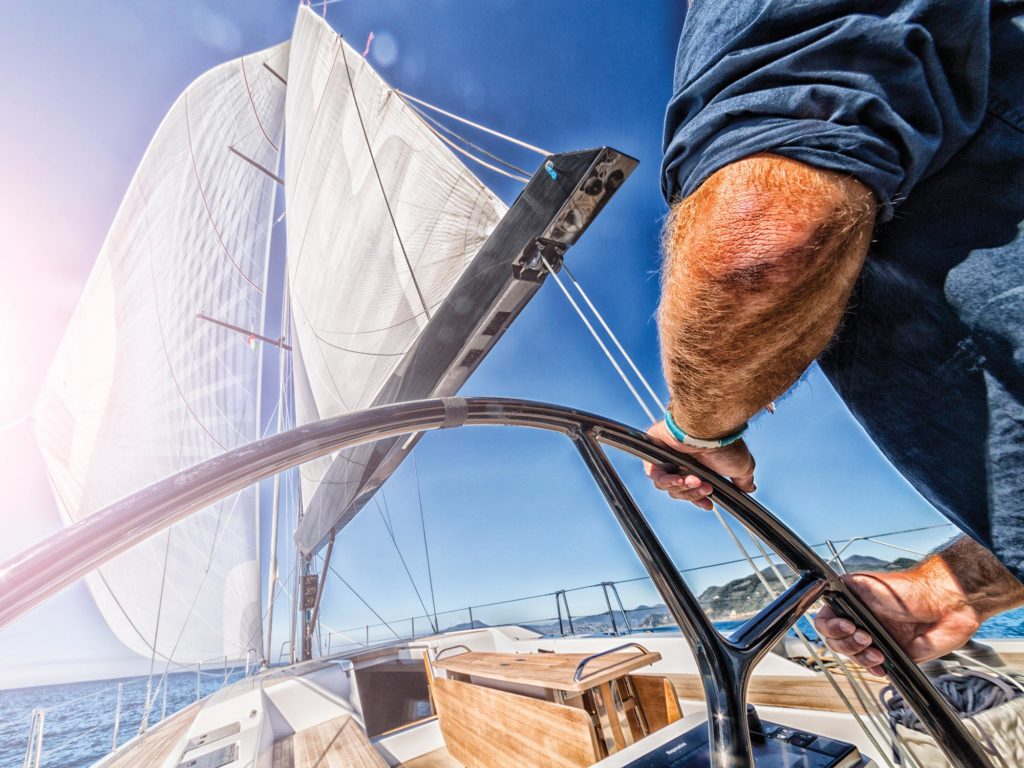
(774, 746)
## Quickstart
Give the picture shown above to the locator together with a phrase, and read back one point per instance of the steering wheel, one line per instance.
(725, 664)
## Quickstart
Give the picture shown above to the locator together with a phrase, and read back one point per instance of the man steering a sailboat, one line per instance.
(847, 184)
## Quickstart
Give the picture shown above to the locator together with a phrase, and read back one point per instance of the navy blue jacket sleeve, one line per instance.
(881, 89)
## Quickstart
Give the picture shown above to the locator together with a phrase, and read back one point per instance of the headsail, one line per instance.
(382, 221)
(142, 387)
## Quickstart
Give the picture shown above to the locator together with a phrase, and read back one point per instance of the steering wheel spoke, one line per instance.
(757, 636)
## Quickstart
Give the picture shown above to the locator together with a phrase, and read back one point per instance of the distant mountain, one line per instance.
(641, 617)
(745, 596)
(866, 563)
(476, 624)
(736, 599)
(741, 597)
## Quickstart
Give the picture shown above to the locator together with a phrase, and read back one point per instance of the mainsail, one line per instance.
(382, 221)
(147, 380)
(403, 271)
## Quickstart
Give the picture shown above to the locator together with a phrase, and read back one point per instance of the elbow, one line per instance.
(763, 222)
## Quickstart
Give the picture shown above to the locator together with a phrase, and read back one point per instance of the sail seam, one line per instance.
(383, 328)
(206, 202)
(163, 340)
(298, 304)
(302, 163)
(380, 182)
(256, 114)
(354, 351)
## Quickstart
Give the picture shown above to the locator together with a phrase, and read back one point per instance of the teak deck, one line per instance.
(337, 743)
(439, 758)
(158, 741)
(781, 691)
(555, 671)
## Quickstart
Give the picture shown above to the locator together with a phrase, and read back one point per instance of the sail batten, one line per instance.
(141, 387)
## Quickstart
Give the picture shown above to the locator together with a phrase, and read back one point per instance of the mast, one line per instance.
(276, 512)
(295, 608)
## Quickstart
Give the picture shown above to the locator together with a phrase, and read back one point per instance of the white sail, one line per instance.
(382, 221)
(142, 387)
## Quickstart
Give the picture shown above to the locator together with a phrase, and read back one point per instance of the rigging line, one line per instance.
(156, 632)
(195, 599)
(484, 128)
(721, 520)
(213, 552)
(166, 671)
(387, 507)
(969, 660)
(181, 442)
(746, 556)
(380, 182)
(738, 544)
(474, 158)
(363, 601)
(878, 717)
(423, 527)
(897, 547)
(614, 338)
(600, 343)
(442, 127)
(405, 565)
(806, 642)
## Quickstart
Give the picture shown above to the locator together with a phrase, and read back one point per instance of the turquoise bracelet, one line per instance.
(697, 442)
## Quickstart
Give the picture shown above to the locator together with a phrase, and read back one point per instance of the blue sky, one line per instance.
(507, 513)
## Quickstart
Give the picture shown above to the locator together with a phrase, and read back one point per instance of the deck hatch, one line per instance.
(216, 759)
(211, 736)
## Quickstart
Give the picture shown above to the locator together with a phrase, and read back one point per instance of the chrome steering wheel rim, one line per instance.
(725, 663)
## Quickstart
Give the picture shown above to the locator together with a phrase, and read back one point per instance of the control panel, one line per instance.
(774, 746)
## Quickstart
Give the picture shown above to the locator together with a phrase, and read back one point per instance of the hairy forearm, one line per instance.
(759, 265)
(972, 575)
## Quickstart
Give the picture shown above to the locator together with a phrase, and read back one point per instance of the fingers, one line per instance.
(745, 482)
(681, 487)
(739, 465)
(733, 461)
(843, 636)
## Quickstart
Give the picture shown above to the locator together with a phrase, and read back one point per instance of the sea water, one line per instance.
(79, 725)
(78, 728)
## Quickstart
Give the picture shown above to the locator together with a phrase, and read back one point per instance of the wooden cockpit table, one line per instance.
(601, 680)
